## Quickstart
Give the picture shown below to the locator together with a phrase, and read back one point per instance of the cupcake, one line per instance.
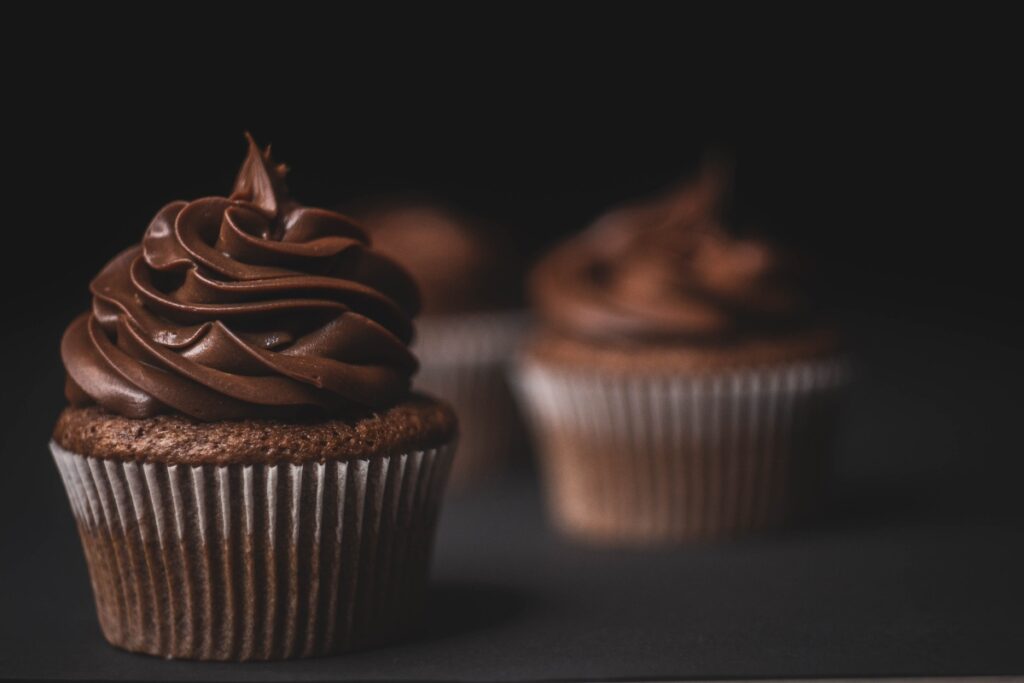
(250, 474)
(682, 384)
(470, 326)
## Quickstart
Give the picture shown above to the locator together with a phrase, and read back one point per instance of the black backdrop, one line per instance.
(891, 161)
(892, 167)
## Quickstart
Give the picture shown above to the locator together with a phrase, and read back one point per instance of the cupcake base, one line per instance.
(658, 457)
(243, 562)
(464, 359)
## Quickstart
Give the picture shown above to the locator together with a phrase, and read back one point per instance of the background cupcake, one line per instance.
(470, 326)
(250, 476)
(682, 383)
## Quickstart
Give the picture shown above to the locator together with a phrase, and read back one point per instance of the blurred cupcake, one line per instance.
(682, 385)
(250, 475)
(470, 326)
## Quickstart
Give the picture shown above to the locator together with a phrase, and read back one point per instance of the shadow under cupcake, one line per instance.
(250, 475)
(682, 384)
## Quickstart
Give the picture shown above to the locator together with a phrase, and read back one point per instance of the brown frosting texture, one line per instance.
(667, 271)
(246, 306)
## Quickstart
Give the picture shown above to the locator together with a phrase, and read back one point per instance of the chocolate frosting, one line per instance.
(461, 264)
(668, 271)
(246, 306)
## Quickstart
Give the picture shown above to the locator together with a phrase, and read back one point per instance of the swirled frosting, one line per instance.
(245, 306)
(667, 271)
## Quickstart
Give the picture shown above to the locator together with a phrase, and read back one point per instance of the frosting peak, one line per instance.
(245, 306)
(668, 271)
(260, 182)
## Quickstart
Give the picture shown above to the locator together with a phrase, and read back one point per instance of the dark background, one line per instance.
(891, 156)
(888, 152)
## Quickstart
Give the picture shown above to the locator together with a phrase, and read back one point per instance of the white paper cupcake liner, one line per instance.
(243, 562)
(464, 360)
(657, 458)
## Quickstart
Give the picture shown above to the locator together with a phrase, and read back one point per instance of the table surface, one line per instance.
(915, 568)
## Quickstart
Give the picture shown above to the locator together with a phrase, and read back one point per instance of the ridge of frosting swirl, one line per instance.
(250, 305)
(668, 271)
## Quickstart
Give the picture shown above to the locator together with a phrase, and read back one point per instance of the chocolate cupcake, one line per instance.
(682, 385)
(250, 475)
(470, 326)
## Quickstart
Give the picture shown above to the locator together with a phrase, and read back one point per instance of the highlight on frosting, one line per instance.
(245, 306)
(667, 270)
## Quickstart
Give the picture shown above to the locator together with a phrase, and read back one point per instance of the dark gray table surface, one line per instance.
(915, 568)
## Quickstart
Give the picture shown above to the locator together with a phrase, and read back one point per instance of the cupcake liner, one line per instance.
(661, 458)
(242, 562)
(464, 360)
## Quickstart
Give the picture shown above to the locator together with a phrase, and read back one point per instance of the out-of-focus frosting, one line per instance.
(246, 306)
(459, 266)
(667, 271)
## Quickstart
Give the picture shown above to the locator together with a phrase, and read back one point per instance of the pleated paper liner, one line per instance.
(243, 562)
(650, 459)
(464, 360)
